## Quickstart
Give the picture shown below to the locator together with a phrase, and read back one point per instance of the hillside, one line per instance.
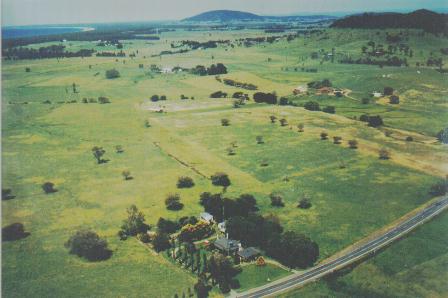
(224, 16)
(420, 19)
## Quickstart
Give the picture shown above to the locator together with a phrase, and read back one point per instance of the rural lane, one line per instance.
(299, 279)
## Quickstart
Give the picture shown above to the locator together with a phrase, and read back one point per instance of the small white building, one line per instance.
(300, 89)
(167, 70)
(377, 94)
(222, 226)
(205, 216)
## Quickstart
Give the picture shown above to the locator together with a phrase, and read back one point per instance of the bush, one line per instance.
(300, 127)
(103, 100)
(388, 91)
(27, 69)
(442, 136)
(144, 237)
(112, 74)
(365, 100)
(384, 154)
(89, 245)
(126, 175)
(439, 189)
(218, 94)
(394, 99)
(312, 106)
(353, 144)
(200, 230)
(163, 97)
(155, 97)
(167, 226)
(276, 200)
(272, 118)
(269, 98)
(220, 179)
(324, 136)
(7, 194)
(135, 222)
(375, 121)
(283, 101)
(161, 242)
(337, 140)
(185, 182)
(329, 109)
(172, 202)
(13, 232)
(259, 139)
(304, 203)
(225, 122)
(409, 139)
(48, 187)
(283, 122)
(364, 118)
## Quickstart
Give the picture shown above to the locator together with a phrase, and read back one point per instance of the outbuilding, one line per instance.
(248, 254)
(227, 246)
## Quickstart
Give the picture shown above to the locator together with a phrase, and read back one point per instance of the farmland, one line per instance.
(52, 141)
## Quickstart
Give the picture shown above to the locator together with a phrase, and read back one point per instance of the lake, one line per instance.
(9, 32)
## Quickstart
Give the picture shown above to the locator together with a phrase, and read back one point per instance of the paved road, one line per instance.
(314, 273)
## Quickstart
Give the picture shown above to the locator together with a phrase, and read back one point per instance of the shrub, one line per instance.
(27, 69)
(269, 98)
(135, 222)
(218, 94)
(103, 100)
(13, 232)
(48, 187)
(167, 226)
(364, 118)
(126, 175)
(112, 74)
(353, 144)
(439, 189)
(384, 154)
(195, 232)
(184, 182)
(220, 179)
(324, 136)
(161, 242)
(276, 200)
(283, 101)
(312, 106)
(375, 121)
(283, 122)
(365, 100)
(144, 237)
(329, 109)
(272, 118)
(300, 127)
(155, 97)
(7, 194)
(89, 245)
(225, 122)
(337, 140)
(259, 139)
(442, 136)
(304, 203)
(394, 99)
(409, 139)
(172, 202)
(388, 91)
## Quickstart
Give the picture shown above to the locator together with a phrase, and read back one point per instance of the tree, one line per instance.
(337, 140)
(375, 121)
(353, 144)
(304, 203)
(161, 242)
(283, 122)
(184, 182)
(300, 127)
(230, 151)
(198, 231)
(312, 106)
(365, 100)
(324, 135)
(218, 94)
(259, 139)
(135, 222)
(272, 118)
(103, 100)
(276, 200)
(442, 136)
(119, 149)
(225, 122)
(394, 99)
(283, 101)
(48, 187)
(112, 74)
(329, 109)
(98, 152)
(201, 288)
(295, 250)
(27, 69)
(126, 175)
(163, 97)
(172, 202)
(74, 88)
(384, 153)
(220, 179)
(14, 232)
(269, 98)
(213, 204)
(221, 271)
(167, 226)
(388, 91)
(439, 189)
(155, 97)
(87, 244)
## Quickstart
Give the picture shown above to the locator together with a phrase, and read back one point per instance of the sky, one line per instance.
(30, 12)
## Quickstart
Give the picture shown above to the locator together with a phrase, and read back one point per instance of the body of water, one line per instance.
(29, 31)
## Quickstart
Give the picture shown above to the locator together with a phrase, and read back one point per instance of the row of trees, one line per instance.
(217, 69)
(53, 51)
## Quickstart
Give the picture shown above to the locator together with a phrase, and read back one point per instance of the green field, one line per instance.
(52, 142)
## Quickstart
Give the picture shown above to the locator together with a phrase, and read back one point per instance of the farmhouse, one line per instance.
(227, 246)
(248, 254)
(324, 90)
(377, 94)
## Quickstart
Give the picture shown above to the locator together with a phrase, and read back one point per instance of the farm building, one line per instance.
(248, 254)
(205, 216)
(377, 94)
(325, 90)
(300, 90)
(227, 246)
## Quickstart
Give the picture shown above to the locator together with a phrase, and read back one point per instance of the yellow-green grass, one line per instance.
(413, 267)
(52, 142)
(254, 276)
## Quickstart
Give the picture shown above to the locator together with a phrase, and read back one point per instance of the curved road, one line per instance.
(314, 273)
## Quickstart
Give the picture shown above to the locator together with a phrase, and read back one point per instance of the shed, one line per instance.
(206, 217)
(248, 254)
(227, 246)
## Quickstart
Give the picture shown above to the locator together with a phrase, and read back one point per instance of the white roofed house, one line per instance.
(207, 217)
(300, 90)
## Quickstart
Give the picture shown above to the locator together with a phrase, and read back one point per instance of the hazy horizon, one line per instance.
(50, 12)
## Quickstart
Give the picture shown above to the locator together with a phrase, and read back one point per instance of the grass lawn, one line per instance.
(254, 276)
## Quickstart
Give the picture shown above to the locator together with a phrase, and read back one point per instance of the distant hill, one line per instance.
(420, 19)
(224, 16)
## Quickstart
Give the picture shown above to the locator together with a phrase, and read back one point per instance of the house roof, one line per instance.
(249, 252)
(227, 244)
(207, 216)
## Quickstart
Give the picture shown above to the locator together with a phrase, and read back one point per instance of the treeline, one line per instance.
(392, 61)
(426, 20)
(234, 83)
(193, 44)
(217, 69)
(53, 51)
(111, 54)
